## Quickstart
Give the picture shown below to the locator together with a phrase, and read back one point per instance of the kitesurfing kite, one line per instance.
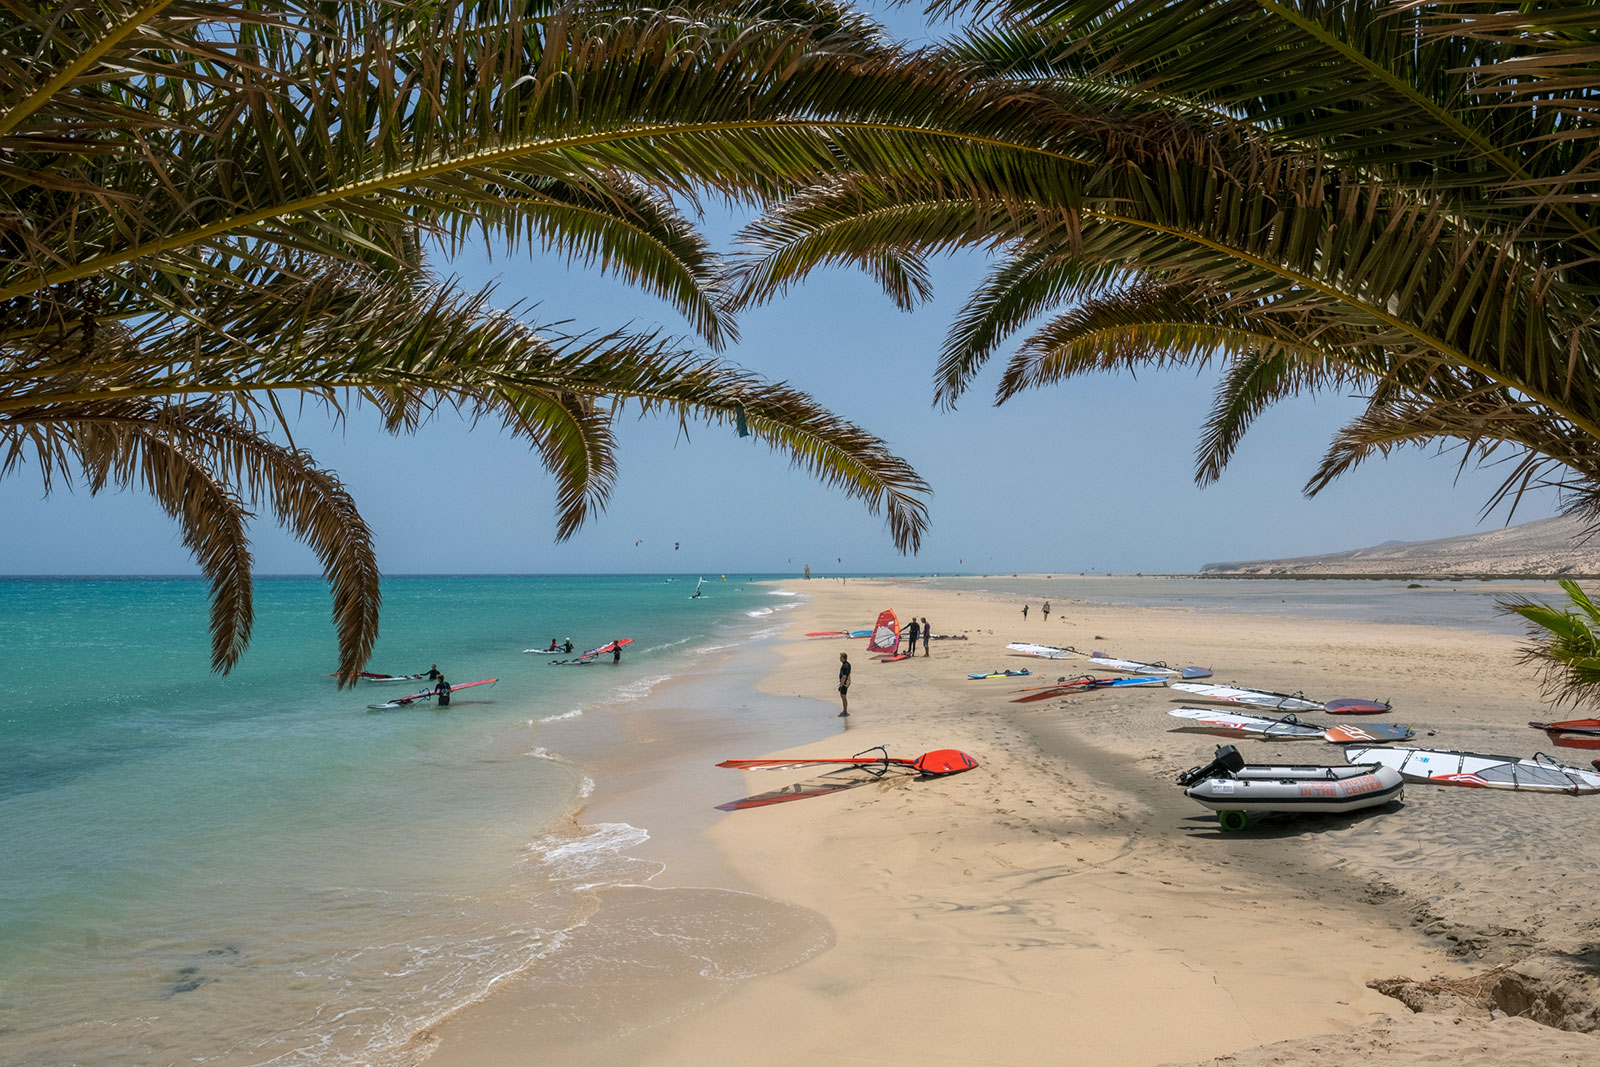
(857, 770)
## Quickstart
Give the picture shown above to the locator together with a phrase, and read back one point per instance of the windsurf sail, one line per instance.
(401, 702)
(1047, 651)
(1572, 733)
(885, 634)
(1238, 694)
(850, 772)
(1477, 770)
(1078, 685)
(1023, 673)
(696, 594)
(1131, 666)
(1287, 728)
(939, 762)
(609, 646)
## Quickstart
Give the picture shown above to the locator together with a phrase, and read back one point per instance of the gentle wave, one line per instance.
(573, 714)
(594, 859)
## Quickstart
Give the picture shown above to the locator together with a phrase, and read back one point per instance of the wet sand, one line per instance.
(1065, 902)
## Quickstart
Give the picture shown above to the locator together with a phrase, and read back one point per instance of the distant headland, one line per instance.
(1545, 548)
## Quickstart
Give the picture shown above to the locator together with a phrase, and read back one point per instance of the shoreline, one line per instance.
(662, 935)
(1056, 894)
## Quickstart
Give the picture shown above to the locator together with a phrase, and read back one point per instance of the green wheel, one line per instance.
(1233, 821)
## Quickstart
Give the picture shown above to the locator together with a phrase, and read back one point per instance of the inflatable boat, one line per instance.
(1231, 789)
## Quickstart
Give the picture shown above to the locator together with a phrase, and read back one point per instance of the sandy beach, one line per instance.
(1064, 902)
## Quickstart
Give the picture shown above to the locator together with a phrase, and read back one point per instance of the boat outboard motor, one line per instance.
(1227, 762)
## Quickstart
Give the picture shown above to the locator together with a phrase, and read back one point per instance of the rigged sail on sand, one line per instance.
(885, 635)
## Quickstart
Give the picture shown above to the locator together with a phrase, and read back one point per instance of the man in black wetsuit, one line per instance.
(844, 683)
(434, 673)
(616, 651)
(915, 630)
(441, 689)
(567, 648)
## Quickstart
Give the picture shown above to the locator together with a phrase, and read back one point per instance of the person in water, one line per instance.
(441, 689)
(844, 683)
(616, 651)
(554, 646)
(435, 672)
(567, 648)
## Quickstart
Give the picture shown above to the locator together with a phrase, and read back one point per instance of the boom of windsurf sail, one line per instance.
(885, 634)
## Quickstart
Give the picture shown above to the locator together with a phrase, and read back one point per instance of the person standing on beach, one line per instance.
(927, 635)
(1024, 613)
(844, 683)
(1047, 611)
(914, 630)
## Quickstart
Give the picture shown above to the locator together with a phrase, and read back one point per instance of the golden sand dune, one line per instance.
(1544, 548)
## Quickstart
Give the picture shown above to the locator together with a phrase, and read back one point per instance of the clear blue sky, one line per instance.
(1094, 475)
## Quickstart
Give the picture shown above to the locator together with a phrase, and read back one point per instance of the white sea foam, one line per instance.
(573, 714)
(638, 689)
(756, 614)
(587, 788)
(596, 858)
(782, 592)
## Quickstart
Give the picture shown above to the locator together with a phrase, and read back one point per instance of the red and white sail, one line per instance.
(885, 637)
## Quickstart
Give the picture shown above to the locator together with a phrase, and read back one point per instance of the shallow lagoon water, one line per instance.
(256, 869)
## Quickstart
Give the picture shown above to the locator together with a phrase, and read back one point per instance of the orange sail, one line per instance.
(885, 635)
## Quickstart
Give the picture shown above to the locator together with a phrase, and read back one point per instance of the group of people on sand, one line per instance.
(918, 628)
(1045, 609)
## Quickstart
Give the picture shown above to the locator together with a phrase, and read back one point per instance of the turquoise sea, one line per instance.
(254, 868)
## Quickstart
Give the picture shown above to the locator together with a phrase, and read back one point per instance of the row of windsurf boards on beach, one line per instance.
(1435, 766)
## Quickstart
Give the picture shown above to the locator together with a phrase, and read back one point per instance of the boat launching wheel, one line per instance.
(1233, 821)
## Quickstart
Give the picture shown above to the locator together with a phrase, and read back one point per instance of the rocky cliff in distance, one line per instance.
(1544, 548)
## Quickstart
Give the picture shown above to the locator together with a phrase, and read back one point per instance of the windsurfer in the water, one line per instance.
(844, 683)
(554, 646)
(567, 647)
(441, 689)
(616, 651)
(434, 672)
